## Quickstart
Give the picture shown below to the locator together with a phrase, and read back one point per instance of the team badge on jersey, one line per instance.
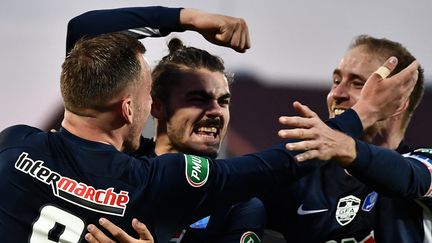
(347, 209)
(197, 170)
(370, 201)
(249, 237)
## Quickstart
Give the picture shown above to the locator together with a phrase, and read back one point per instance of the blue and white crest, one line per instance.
(370, 201)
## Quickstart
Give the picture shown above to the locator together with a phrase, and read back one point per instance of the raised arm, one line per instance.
(383, 97)
(160, 21)
(388, 172)
(380, 98)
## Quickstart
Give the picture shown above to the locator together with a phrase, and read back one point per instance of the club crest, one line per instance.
(347, 209)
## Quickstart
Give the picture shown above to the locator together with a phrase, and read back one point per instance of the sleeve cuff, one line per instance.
(348, 123)
(361, 162)
(170, 20)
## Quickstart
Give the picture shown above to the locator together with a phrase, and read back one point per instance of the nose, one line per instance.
(150, 99)
(339, 92)
(214, 109)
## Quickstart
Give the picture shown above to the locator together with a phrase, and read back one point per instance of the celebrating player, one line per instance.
(388, 198)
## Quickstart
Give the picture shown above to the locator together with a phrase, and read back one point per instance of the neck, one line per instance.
(162, 142)
(387, 134)
(163, 145)
(98, 128)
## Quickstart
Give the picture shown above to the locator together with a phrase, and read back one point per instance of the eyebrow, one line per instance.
(207, 95)
(337, 71)
(225, 96)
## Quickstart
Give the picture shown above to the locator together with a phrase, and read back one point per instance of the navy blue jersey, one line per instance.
(382, 197)
(54, 184)
(333, 194)
(243, 220)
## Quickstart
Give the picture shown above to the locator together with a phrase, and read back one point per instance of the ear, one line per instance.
(127, 111)
(402, 108)
(158, 110)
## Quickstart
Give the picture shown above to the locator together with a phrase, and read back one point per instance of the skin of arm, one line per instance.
(218, 29)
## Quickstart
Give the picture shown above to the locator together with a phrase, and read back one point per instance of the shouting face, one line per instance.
(197, 113)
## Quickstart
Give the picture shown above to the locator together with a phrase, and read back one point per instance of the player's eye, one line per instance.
(358, 84)
(224, 102)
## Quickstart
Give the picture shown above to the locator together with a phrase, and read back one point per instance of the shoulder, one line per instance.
(17, 133)
(20, 129)
(184, 159)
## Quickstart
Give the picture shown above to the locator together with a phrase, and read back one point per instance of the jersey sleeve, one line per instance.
(206, 184)
(348, 123)
(406, 176)
(138, 21)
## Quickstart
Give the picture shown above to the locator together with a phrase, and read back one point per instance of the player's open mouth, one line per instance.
(338, 111)
(207, 131)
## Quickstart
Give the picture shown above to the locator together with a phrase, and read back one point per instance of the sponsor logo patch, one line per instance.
(370, 201)
(347, 209)
(100, 200)
(197, 170)
(249, 237)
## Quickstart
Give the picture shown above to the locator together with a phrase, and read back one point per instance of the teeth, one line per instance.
(337, 111)
(207, 129)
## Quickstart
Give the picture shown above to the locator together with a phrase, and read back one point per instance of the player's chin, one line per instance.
(208, 150)
(210, 140)
(211, 152)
